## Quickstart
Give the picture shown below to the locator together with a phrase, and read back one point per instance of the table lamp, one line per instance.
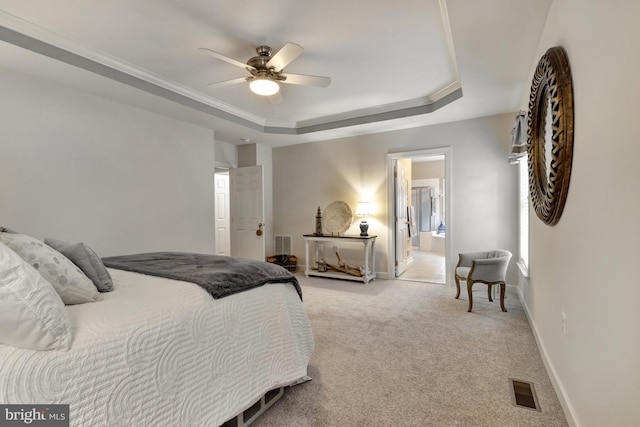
(363, 209)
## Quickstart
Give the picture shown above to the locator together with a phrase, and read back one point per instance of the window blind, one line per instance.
(523, 171)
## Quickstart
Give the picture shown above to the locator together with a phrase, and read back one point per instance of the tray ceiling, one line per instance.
(391, 67)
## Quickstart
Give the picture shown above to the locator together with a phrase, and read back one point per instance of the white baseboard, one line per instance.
(567, 407)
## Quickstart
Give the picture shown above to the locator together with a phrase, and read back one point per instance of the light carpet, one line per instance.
(400, 353)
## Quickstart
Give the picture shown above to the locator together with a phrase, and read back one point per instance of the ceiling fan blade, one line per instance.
(226, 58)
(284, 56)
(229, 82)
(304, 80)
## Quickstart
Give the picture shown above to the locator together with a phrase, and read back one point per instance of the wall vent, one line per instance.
(282, 245)
(523, 394)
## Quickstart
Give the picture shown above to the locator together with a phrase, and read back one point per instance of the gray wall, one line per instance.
(426, 170)
(585, 265)
(78, 167)
(484, 204)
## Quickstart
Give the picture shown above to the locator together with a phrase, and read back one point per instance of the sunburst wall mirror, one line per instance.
(550, 135)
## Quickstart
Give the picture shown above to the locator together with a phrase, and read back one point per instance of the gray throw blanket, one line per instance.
(220, 276)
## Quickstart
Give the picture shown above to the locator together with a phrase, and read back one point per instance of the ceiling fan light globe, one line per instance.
(264, 87)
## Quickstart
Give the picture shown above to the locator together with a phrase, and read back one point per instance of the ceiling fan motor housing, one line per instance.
(260, 61)
(264, 50)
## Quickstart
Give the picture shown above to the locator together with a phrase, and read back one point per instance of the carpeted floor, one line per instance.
(401, 353)
(426, 267)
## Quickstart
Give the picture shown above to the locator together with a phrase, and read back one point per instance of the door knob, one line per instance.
(259, 230)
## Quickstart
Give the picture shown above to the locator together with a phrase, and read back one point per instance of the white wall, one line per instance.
(352, 169)
(226, 154)
(77, 167)
(586, 265)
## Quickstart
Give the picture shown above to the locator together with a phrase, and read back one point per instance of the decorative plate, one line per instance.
(337, 218)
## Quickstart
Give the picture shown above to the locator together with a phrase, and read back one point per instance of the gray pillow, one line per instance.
(87, 260)
(73, 286)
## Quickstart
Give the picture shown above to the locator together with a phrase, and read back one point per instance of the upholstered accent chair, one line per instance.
(489, 267)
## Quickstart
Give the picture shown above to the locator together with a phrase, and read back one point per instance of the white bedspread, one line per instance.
(160, 352)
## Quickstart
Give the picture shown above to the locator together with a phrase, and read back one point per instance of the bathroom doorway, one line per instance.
(428, 239)
(425, 244)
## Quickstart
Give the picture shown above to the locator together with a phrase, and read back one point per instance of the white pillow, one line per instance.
(73, 286)
(32, 314)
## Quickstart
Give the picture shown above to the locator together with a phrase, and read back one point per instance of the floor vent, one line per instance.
(523, 394)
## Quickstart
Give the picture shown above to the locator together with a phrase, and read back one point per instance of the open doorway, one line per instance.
(428, 220)
(420, 185)
(223, 216)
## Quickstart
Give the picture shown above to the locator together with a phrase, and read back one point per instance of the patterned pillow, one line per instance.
(87, 260)
(67, 279)
(32, 314)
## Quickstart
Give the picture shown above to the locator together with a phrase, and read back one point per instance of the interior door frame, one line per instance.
(448, 184)
(402, 188)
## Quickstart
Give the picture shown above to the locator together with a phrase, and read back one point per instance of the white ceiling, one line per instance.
(390, 63)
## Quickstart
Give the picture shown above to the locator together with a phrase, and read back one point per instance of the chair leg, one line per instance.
(489, 291)
(457, 286)
(503, 288)
(469, 285)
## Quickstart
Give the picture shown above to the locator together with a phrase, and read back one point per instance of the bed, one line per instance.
(160, 351)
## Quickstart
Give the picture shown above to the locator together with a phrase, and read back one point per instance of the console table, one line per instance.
(368, 243)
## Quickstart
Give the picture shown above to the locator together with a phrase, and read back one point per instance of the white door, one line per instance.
(223, 220)
(403, 241)
(247, 213)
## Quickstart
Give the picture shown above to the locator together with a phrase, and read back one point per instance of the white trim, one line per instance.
(223, 165)
(417, 106)
(446, 22)
(34, 31)
(567, 407)
(523, 214)
(448, 173)
(524, 270)
(431, 98)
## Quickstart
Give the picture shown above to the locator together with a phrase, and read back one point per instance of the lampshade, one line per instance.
(363, 209)
(264, 87)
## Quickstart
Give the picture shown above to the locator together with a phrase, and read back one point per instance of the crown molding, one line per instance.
(27, 35)
(379, 110)
(23, 28)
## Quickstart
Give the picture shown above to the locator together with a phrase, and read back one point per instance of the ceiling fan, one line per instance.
(267, 70)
